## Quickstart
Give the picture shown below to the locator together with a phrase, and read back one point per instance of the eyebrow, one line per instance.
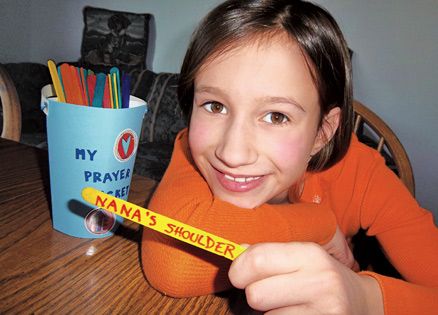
(208, 89)
(264, 99)
(281, 99)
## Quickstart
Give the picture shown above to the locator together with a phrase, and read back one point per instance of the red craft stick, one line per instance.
(106, 95)
(91, 81)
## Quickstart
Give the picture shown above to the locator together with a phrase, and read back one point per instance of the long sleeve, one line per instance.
(409, 237)
(180, 270)
(365, 193)
(402, 298)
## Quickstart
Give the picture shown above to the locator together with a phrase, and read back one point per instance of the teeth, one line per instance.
(241, 179)
(229, 177)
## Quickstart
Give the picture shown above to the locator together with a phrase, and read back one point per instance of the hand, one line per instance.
(302, 278)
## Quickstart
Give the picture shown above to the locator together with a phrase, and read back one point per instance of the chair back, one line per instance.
(11, 107)
(372, 130)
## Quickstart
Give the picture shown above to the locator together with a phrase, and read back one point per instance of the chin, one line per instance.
(244, 203)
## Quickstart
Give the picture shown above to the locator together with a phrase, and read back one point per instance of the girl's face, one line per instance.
(254, 122)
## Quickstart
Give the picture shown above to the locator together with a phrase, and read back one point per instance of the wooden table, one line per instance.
(44, 271)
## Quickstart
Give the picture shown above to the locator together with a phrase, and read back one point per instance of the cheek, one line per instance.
(200, 136)
(291, 153)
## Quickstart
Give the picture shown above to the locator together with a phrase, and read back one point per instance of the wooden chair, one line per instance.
(11, 107)
(373, 131)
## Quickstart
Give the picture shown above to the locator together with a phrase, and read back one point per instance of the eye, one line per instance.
(276, 118)
(215, 107)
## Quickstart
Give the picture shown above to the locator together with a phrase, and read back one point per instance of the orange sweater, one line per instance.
(360, 191)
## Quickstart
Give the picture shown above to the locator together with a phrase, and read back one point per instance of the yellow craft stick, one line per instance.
(56, 82)
(116, 90)
(163, 224)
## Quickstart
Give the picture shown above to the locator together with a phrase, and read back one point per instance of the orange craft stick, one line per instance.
(67, 82)
(110, 88)
(77, 89)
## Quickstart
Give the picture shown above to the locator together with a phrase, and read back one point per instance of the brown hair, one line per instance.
(318, 36)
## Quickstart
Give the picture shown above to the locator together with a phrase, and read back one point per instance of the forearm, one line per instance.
(183, 194)
(181, 270)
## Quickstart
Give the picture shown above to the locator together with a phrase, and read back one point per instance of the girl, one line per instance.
(269, 156)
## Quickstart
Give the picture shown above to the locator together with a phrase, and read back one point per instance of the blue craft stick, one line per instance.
(85, 84)
(99, 89)
(126, 90)
(115, 70)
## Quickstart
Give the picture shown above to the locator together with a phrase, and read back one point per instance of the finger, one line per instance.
(339, 248)
(294, 310)
(356, 267)
(279, 291)
(267, 259)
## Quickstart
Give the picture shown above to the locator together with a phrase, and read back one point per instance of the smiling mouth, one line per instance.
(238, 183)
(241, 179)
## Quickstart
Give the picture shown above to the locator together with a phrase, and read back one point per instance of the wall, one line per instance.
(395, 45)
(53, 28)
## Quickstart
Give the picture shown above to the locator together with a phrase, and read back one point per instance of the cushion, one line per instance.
(114, 38)
(143, 84)
(152, 159)
(164, 118)
(160, 125)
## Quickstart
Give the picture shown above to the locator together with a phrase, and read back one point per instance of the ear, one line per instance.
(330, 124)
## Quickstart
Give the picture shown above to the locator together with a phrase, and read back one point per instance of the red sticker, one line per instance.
(125, 145)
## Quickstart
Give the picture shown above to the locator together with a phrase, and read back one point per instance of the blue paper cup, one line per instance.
(89, 147)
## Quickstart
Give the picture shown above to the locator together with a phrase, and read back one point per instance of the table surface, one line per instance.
(43, 270)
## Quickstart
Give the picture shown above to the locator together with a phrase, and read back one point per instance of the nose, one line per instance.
(237, 147)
